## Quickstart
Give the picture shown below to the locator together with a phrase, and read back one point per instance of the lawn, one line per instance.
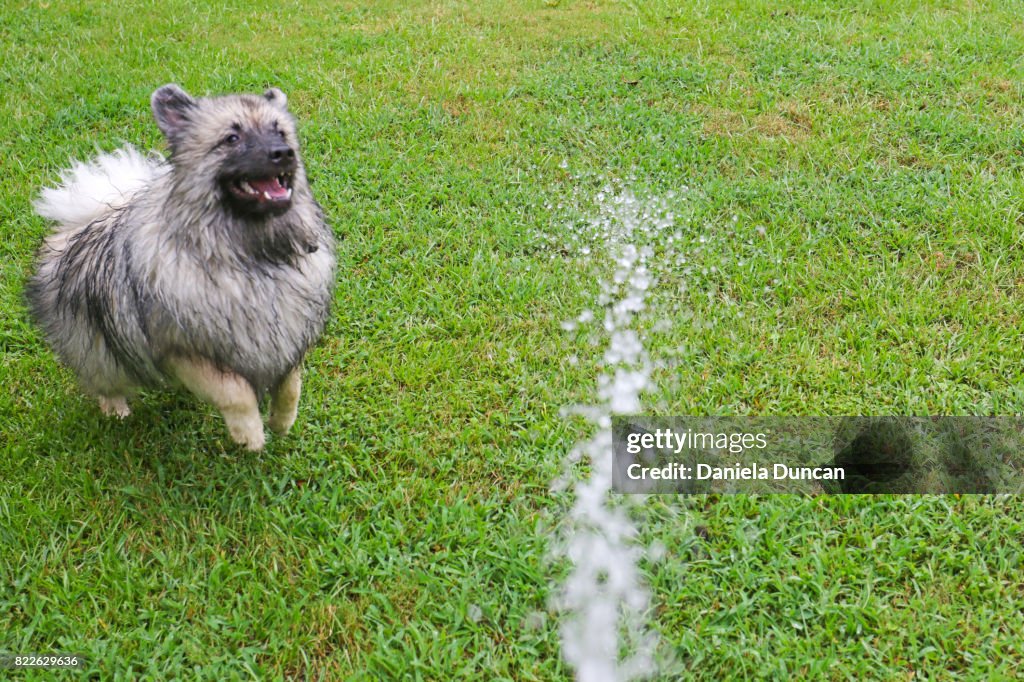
(847, 198)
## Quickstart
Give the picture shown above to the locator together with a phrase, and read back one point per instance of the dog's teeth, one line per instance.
(266, 195)
(247, 187)
(289, 192)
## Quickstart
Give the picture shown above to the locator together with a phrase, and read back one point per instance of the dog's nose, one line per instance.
(282, 154)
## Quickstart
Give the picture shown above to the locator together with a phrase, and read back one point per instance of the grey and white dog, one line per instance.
(213, 269)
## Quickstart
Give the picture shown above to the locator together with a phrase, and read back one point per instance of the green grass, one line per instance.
(402, 530)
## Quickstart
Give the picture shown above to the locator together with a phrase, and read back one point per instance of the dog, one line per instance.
(212, 268)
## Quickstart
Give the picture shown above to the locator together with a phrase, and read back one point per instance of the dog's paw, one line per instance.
(281, 422)
(247, 432)
(116, 406)
(251, 440)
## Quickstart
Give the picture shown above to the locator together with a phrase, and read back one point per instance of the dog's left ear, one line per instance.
(277, 98)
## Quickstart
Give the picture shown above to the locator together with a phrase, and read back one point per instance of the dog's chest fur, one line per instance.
(254, 316)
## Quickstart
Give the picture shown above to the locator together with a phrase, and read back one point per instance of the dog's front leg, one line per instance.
(229, 393)
(284, 402)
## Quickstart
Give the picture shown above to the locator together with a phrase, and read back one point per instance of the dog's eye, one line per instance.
(282, 134)
(232, 138)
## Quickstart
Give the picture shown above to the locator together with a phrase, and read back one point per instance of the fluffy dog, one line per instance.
(212, 269)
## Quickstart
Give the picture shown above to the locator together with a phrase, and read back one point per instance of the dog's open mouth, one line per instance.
(276, 189)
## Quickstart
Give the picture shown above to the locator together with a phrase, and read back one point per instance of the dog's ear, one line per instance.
(172, 107)
(277, 98)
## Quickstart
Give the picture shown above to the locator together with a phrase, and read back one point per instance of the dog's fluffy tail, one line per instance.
(90, 190)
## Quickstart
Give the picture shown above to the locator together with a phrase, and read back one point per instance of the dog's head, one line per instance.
(243, 147)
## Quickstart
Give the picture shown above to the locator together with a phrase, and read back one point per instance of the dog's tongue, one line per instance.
(272, 187)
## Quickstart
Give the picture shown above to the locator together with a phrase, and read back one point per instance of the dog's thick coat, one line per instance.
(213, 268)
